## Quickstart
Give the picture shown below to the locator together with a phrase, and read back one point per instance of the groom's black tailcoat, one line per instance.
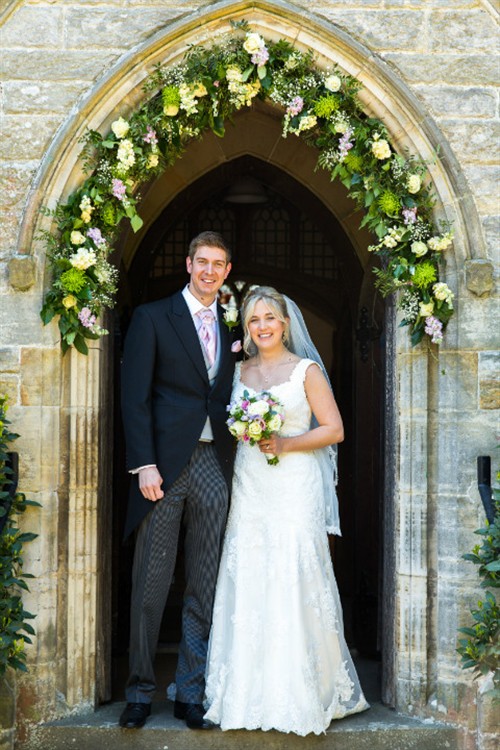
(166, 395)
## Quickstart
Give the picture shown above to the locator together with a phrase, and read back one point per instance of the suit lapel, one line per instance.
(224, 339)
(182, 322)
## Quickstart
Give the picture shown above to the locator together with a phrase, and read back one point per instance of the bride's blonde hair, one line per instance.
(276, 303)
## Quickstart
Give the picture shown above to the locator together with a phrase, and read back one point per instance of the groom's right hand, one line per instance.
(150, 481)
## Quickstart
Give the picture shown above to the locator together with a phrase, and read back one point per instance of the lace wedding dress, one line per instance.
(277, 655)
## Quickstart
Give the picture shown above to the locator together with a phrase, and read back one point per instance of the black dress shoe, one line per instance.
(134, 715)
(193, 714)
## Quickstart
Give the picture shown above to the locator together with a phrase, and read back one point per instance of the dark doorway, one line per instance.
(283, 236)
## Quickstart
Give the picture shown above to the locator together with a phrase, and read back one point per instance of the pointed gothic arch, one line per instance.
(83, 428)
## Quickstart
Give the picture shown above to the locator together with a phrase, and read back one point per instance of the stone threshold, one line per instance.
(379, 728)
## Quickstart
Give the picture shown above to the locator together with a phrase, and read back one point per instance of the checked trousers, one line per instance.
(199, 499)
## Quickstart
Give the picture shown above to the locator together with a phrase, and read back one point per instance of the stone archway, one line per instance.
(82, 431)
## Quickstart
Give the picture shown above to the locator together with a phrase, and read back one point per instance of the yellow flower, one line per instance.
(274, 423)
(414, 183)
(253, 43)
(426, 309)
(260, 407)
(152, 161)
(234, 74)
(170, 110)
(381, 149)
(255, 430)
(418, 248)
(237, 428)
(77, 238)
(199, 89)
(333, 83)
(69, 301)
(120, 128)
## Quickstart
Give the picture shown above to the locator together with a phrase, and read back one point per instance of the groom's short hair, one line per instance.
(210, 239)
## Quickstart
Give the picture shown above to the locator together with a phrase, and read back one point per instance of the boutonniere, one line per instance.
(231, 317)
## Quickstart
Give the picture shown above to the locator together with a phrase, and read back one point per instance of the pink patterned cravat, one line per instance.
(206, 333)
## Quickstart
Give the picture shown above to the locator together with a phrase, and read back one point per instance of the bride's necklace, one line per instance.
(267, 374)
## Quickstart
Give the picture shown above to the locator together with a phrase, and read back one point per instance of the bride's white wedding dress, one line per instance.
(277, 655)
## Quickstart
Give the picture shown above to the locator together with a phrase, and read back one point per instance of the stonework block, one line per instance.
(27, 138)
(483, 181)
(459, 442)
(20, 322)
(411, 607)
(462, 31)
(33, 27)
(37, 447)
(7, 703)
(455, 695)
(488, 716)
(9, 359)
(412, 535)
(479, 276)
(453, 569)
(26, 97)
(15, 181)
(382, 30)
(11, 222)
(459, 101)
(410, 695)
(413, 454)
(463, 69)
(41, 377)
(60, 65)
(488, 741)
(38, 691)
(112, 28)
(479, 324)
(9, 386)
(457, 381)
(491, 229)
(413, 386)
(489, 380)
(472, 141)
(22, 272)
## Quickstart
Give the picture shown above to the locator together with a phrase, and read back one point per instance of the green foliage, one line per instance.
(480, 650)
(202, 93)
(15, 630)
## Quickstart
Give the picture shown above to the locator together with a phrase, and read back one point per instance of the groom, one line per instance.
(177, 376)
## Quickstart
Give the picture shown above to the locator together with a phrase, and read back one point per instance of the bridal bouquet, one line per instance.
(252, 418)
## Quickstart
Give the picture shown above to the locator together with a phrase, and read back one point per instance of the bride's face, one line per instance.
(265, 329)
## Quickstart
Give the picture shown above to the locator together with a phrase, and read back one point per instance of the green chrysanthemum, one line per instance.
(389, 203)
(425, 274)
(73, 280)
(108, 214)
(354, 162)
(170, 97)
(325, 106)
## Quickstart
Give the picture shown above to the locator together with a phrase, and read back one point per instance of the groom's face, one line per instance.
(208, 270)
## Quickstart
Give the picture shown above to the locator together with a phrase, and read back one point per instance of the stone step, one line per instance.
(379, 728)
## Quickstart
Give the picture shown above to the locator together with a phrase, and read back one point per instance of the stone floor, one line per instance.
(379, 728)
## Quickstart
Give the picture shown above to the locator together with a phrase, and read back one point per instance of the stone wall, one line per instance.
(56, 56)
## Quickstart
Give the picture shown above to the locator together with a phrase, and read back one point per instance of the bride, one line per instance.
(277, 655)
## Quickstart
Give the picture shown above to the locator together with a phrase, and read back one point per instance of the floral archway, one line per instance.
(203, 92)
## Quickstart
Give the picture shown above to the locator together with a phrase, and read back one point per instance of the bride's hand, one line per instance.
(272, 445)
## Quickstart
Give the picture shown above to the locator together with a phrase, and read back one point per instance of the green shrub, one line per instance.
(15, 630)
(480, 650)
